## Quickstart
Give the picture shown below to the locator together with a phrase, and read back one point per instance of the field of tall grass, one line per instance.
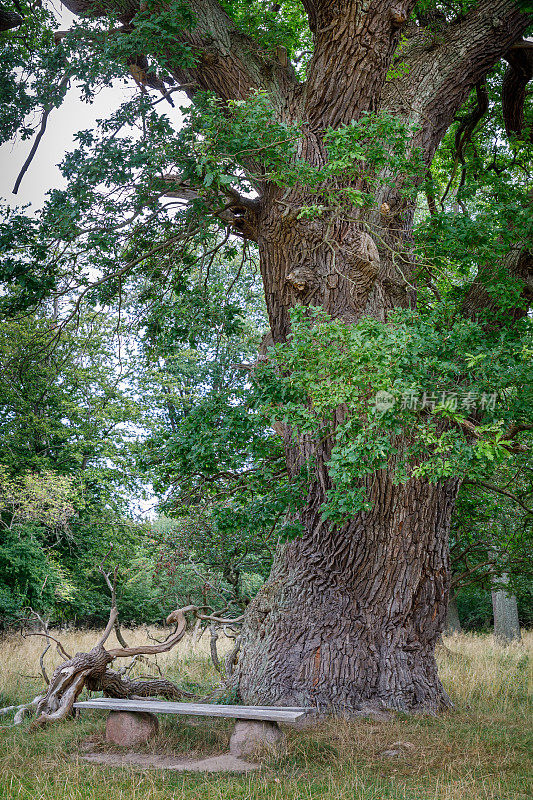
(480, 750)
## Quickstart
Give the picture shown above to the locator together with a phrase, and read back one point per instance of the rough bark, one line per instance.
(9, 19)
(350, 616)
(114, 685)
(353, 47)
(228, 62)
(517, 76)
(444, 67)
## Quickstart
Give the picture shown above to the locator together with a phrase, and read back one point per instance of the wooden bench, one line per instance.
(133, 721)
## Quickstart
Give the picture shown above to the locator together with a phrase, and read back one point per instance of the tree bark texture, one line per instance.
(350, 615)
(505, 610)
(453, 623)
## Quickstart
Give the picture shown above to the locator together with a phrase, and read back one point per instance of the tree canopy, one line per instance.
(372, 163)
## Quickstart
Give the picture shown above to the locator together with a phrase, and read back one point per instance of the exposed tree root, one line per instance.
(90, 670)
(115, 685)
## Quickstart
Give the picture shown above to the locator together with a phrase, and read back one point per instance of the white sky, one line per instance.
(43, 173)
(72, 116)
(63, 123)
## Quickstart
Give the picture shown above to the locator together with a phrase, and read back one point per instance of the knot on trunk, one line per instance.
(396, 290)
(398, 15)
(302, 279)
(363, 260)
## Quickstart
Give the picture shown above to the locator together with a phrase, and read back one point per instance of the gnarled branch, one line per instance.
(228, 62)
(517, 76)
(443, 68)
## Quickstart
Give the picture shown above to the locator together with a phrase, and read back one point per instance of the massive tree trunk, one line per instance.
(350, 616)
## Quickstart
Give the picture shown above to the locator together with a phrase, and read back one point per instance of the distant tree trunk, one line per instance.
(505, 610)
(453, 623)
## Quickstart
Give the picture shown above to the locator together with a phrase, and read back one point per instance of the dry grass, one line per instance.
(479, 751)
(476, 669)
(19, 659)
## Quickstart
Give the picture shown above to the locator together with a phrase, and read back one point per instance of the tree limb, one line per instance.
(517, 76)
(176, 616)
(228, 62)
(112, 586)
(517, 264)
(497, 489)
(240, 214)
(354, 44)
(443, 68)
(44, 120)
(60, 647)
(8, 19)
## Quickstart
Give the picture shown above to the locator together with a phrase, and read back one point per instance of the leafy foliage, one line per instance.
(145, 371)
(454, 367)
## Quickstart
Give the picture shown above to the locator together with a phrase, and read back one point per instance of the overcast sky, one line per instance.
(63, 123)
(73, 115)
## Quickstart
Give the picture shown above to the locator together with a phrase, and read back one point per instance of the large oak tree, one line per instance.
(353, 609)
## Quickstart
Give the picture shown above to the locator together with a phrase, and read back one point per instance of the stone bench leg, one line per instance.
(250, 735)
(129, 728)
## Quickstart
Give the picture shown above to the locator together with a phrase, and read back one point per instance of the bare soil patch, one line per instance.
(221, 763)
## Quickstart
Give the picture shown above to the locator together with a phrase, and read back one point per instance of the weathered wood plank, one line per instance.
(270, 714)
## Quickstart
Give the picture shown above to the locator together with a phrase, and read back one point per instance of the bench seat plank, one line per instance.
(270, 714)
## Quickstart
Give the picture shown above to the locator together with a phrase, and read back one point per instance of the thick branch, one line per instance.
(109, 627)
(518, 264)
(354, 44)
(176, 616)
(221, 620)
(8, 19)
(115, 685)
(239, 213)
(471, 429)
(443, 68)
(42, 128)
(516, 78)
(228, 62)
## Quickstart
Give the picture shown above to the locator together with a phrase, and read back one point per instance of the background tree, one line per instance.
(490, 547)
(67, 418)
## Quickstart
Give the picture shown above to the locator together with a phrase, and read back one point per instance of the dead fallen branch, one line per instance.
(92, 670)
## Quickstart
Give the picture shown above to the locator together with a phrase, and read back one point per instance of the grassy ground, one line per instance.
(482, 750)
